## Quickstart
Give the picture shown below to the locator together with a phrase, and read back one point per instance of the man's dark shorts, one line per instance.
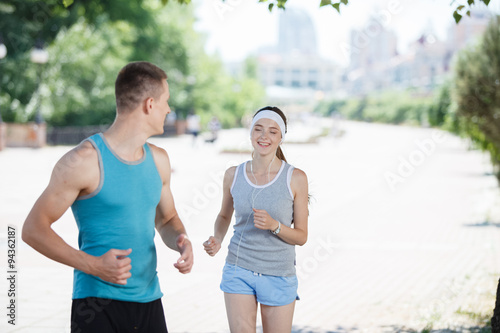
(100, 315)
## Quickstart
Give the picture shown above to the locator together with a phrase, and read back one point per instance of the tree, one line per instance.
(438, 110)
(77, 83)
(24, 23)
(90, 47)
(477, 94)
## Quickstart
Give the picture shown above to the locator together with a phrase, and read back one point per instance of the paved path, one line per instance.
(402, 235)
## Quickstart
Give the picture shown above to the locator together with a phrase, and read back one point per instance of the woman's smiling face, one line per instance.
(266, 135)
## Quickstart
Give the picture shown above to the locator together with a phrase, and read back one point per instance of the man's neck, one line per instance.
(126, 137)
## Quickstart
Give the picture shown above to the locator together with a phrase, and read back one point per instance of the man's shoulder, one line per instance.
(77, 169)
(85, 151)
(80, 157)
(85, 148)
(161, 159)
(158, 152)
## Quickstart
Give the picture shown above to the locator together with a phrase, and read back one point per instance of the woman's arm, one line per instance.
(298, 234)
(223, 220)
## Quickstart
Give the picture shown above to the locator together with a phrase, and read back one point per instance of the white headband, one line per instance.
(273, 116)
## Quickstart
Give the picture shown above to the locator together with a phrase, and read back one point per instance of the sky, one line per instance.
(235, 29)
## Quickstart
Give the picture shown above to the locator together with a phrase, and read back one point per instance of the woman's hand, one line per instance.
(262, 220)
(212, 246)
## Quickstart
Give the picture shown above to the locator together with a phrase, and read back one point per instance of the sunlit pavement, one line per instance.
(403, 233)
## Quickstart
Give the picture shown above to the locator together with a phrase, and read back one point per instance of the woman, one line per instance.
(270, 200)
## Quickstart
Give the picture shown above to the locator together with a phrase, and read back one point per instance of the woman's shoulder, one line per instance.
(298, 174)
(231, 171)
(230, 174)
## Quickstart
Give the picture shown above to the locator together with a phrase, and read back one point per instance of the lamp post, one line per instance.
(39, 56)
(3, 53)
(3, 130)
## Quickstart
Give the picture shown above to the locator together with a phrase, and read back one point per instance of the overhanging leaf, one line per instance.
(457, 16)
(325, 3)
(67, 3)
(271, 5)
(336, 6)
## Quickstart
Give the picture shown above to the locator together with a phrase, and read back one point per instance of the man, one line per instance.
(118, 187)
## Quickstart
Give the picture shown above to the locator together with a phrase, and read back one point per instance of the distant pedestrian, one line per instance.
(214, 128)
(118, 187)
(270, 200)
(193, 125)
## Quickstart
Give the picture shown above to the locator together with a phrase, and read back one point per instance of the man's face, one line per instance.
(161, 108)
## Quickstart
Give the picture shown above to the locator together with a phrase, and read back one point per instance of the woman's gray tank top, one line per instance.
(252, 248)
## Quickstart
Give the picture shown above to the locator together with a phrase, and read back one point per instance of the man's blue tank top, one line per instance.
(120, 214)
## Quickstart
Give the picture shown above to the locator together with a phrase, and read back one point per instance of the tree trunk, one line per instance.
(495, 320)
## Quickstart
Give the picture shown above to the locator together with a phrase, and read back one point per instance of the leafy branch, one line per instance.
(460, 11)
(464, 9)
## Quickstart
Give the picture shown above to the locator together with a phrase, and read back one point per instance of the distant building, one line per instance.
(372, 46)
(376, 66)
(296, 33)
(371, 51)
(292, 70)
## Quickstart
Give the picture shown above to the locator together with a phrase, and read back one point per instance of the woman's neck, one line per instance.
(265, 164)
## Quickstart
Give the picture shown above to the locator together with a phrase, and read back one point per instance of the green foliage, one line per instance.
(477, 92)
(217, 94)
(114, 32)
(462, 10)
(251, 68)
(440, 107)
(388, 107)
(77, 84)
(329, 108)
(80, 84)
(24, 22)
(459, 12)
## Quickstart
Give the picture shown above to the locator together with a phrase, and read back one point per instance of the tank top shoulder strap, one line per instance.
(288, 177)
(236, 172)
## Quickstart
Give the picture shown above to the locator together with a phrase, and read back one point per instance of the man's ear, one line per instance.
(148, 105)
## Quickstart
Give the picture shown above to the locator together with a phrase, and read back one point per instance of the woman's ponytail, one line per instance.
(280, 155)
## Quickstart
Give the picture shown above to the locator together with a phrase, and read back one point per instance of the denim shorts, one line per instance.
(268, 289)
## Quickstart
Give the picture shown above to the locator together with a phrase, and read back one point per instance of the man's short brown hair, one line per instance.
(136, 82)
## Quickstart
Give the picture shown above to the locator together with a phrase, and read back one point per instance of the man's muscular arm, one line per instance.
(75, 174)
(167, 221)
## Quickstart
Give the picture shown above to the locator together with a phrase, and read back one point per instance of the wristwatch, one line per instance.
(277, 230)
